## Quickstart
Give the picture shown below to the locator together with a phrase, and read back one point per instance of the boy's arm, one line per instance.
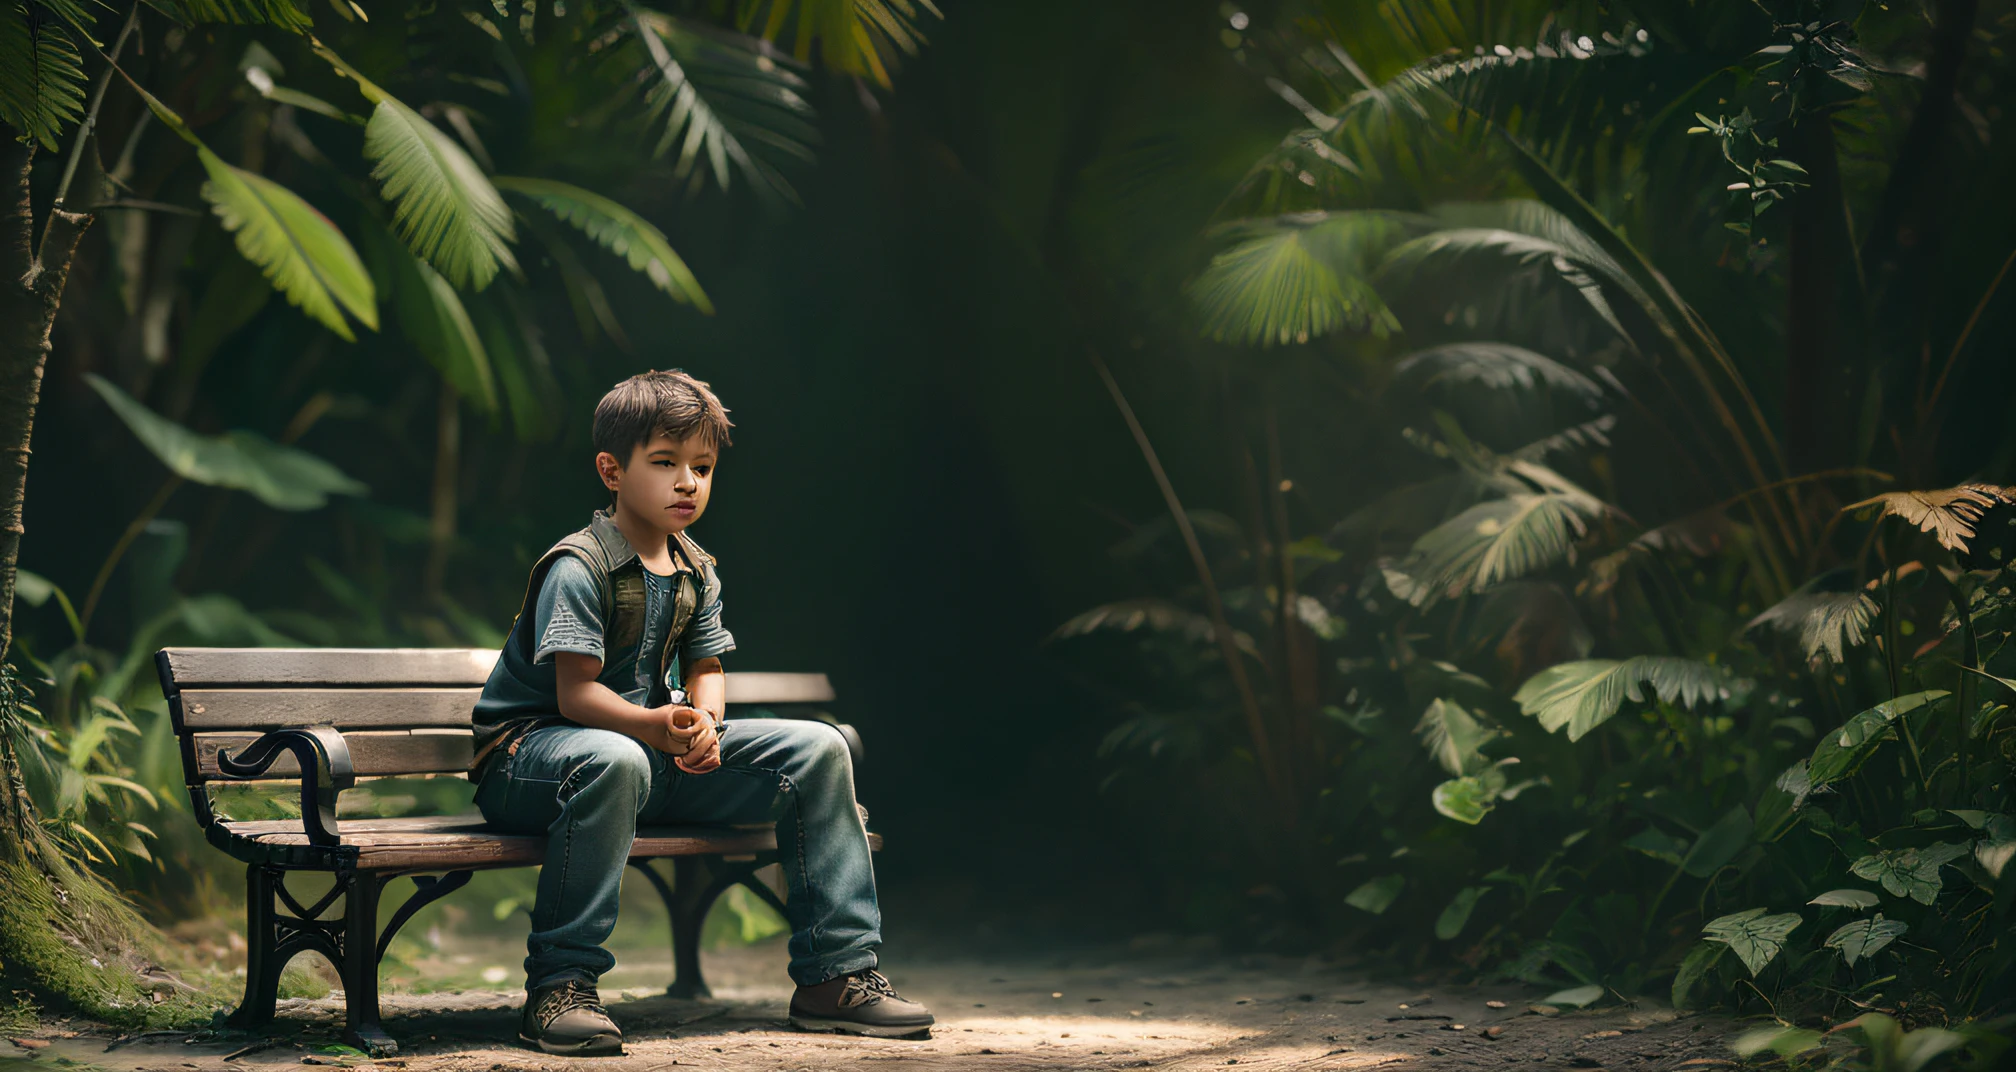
(591, 703)
(707, 691)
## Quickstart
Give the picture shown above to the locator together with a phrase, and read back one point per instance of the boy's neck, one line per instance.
(652, 544)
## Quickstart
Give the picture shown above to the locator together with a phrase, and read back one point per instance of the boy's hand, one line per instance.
(705, 754)
(678, 729)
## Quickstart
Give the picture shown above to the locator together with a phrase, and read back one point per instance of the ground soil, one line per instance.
(1126, 1007)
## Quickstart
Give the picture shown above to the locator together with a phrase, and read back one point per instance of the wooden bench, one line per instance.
(329, 717)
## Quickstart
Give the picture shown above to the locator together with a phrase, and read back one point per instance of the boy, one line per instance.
(604, 712)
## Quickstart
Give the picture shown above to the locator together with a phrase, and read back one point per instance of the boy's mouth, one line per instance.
(686, 509)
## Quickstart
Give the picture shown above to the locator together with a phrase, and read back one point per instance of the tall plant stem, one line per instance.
(1221, 627)
(147, 513)
(1970, 654)
(90, 125)
(1299, 697)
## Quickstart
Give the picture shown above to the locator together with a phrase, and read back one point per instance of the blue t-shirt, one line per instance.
(567, 616)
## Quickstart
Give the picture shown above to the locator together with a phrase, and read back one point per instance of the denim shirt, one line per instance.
(523, 694)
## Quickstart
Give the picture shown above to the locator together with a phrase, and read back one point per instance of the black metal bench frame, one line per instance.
(279, 926)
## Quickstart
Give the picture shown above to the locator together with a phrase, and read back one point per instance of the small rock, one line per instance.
(31, 1043)
(1452, 1027)
(1604, 1034)
(1494, 1003)
(1056, 993)
(1492, 1033)
(1543, 1010)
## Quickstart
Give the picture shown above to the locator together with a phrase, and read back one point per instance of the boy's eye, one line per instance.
(704, 470)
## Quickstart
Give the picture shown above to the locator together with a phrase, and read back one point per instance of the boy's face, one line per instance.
(665, 483)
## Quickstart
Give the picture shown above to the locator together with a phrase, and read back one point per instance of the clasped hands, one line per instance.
(689, 736)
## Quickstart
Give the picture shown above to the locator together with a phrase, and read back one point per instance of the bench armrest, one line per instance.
(324, 758)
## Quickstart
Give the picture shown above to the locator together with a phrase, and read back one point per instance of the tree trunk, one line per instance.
(31, 288)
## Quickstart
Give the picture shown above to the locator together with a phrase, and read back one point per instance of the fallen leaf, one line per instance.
(1543, 1010)
(1604, 1034)
(31, 1044)
(1494, 1003)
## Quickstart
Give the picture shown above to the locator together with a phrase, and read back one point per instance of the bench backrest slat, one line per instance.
(372, 753)
(346, 709)
(330, 667)
(402, 710)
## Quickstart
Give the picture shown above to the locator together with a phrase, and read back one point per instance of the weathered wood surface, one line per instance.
(373, 752)
(764, 687)
(345, 709)
(355, 667)
(462, 841)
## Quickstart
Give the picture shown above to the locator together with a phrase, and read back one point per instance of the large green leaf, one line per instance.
(1453, 736)
(300, 252)
(1839, 753)
(1863, 938)
(41, 75)
(1719, 844)
(1856, 899)
(1756, 938)
(443, 207)
(280, 477)
(1425, 257)
(1377, 895)
(717, 97)
(1585, 694)
(1299, 278)
(1697, 963)
(1912, 873)
(618, 230)
(1456, 915)
(432, 315)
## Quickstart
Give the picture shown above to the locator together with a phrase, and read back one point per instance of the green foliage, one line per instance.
(1754, 937)
(1864, 938)
(41, 77)
(618, 230)
(1299, 278)
(1581, 696)
(280, 477)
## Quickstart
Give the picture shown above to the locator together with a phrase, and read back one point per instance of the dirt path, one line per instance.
(1126, 1010)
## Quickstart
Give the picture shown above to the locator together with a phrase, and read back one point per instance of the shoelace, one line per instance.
(874, 983)
(571, 995)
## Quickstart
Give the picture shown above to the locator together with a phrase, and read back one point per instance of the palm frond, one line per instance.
(286, 14)
(1826, 623)
(1431, 255)
(618, 230)
(1153, 615)
(717, 96)
(517, 355)
(1583, 695)
(1501, 539)
(435, 319)
(1453, 737)
(1495, 366)
(41, 75)
(1589, 433)
(443, 207)
(858, 37)
(1948, 514)
(1299, 278)
(300, 252)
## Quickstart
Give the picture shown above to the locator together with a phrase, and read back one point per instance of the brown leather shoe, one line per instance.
(568, 1018)
(859, 1004)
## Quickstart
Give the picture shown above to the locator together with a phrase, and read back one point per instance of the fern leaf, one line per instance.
(1423, 257)
(618, 230)
(1826, 623)
(286, 14)
(1298, 279)
(1495, 366)
(717, 96)
(41, 75)
(1583, 695)
(1948, 514)
(300, 252)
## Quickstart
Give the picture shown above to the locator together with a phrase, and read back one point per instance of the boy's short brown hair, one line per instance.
(648, 403)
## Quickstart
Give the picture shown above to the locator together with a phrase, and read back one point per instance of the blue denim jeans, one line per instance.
(588, 790)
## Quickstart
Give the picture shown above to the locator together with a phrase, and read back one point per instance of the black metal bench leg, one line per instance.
(360, 968)
(696, 884)
(262, 956)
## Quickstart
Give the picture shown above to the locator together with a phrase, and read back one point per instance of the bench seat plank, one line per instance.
(345, 709)
(372, 752)
(458, 842)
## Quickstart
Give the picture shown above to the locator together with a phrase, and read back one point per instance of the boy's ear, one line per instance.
(609, 469)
